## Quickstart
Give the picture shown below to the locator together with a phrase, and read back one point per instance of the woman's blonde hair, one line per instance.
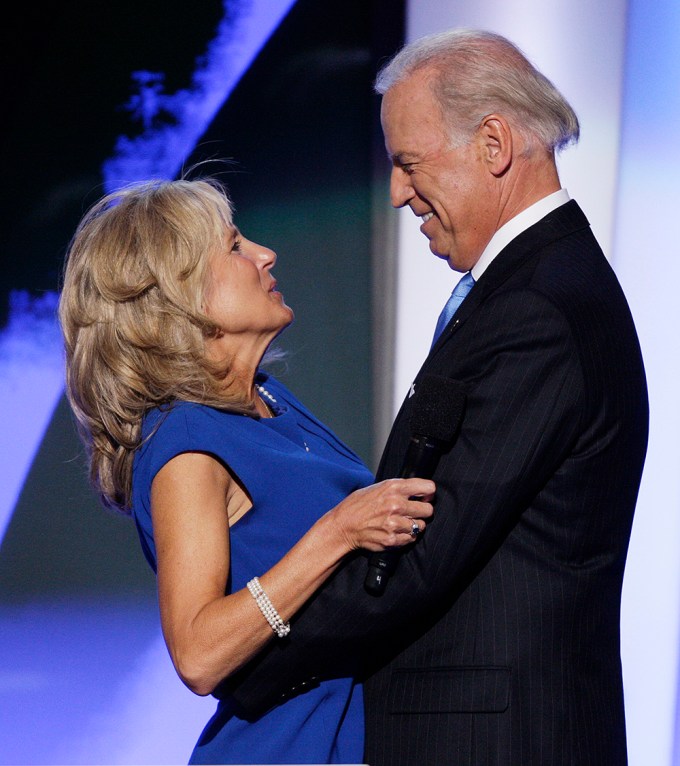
(132, 318)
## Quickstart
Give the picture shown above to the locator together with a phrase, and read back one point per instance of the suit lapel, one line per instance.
(559, 223)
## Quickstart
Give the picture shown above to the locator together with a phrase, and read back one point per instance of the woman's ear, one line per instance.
(497, 143)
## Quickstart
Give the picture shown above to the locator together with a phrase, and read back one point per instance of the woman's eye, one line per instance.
(236, 246)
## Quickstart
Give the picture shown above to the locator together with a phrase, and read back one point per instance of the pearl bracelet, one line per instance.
(281, 628)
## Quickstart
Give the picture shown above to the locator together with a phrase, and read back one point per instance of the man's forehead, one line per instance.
(410, 124)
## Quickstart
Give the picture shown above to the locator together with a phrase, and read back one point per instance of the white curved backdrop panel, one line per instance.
(619, 65)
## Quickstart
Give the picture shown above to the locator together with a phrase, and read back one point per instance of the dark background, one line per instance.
(299, 145)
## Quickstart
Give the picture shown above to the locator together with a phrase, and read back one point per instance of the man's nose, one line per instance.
(401, 190)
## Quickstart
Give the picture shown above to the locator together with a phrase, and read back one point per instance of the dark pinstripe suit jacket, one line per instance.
(497, 640)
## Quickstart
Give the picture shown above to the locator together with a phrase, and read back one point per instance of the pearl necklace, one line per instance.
(267, 395)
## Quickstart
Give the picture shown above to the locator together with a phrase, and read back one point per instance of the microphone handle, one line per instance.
(421, 461)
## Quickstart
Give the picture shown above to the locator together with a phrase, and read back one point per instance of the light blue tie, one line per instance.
(457, 297)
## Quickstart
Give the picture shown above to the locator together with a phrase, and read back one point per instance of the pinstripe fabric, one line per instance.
(497, 640)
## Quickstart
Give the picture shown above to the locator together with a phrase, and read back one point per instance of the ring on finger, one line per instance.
(415, 529)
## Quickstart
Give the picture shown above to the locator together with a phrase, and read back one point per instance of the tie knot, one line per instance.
(464, 285)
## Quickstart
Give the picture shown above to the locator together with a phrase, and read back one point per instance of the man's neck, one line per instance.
(527, 181)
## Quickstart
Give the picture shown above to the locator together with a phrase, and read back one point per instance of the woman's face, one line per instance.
(241, 295)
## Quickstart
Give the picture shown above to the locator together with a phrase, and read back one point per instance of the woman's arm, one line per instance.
(210, 635)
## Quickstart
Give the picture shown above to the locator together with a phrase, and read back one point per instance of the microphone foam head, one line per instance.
(437, 407)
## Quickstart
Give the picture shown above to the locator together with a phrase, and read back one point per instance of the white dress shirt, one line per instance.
(516, 226)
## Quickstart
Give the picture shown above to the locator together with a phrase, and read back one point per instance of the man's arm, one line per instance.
(518, 360)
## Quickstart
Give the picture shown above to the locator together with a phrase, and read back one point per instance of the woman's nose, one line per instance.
(262, 256)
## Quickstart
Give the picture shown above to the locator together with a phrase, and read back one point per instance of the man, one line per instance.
(497, 638)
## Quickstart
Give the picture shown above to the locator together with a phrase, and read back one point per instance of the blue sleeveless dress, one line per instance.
(294, 469)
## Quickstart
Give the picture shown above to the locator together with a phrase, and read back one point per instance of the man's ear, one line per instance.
(496, 140)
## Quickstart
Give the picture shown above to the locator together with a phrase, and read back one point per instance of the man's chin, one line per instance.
(445, 255)
(439, 253)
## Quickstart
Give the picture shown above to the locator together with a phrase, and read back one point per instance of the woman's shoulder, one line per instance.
(176, 416)
(184, 427)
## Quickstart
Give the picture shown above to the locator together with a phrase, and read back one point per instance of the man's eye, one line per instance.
(408, 169)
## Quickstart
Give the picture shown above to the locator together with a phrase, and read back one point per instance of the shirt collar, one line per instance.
(516, 226)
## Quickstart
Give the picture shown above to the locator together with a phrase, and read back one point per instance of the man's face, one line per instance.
(450, 189)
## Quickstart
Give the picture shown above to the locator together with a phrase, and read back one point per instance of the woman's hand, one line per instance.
(383, 515)
(210, 635)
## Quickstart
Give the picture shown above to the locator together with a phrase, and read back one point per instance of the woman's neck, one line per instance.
(242, 376)
(242, 360)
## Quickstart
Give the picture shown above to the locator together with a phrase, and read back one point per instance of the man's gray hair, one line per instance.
(477, 73)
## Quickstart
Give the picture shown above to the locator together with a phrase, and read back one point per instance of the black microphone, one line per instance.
(438, 405)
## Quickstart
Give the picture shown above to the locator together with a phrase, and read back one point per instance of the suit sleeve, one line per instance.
(517, 357)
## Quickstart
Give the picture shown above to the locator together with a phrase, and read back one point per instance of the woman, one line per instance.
(167, 312)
